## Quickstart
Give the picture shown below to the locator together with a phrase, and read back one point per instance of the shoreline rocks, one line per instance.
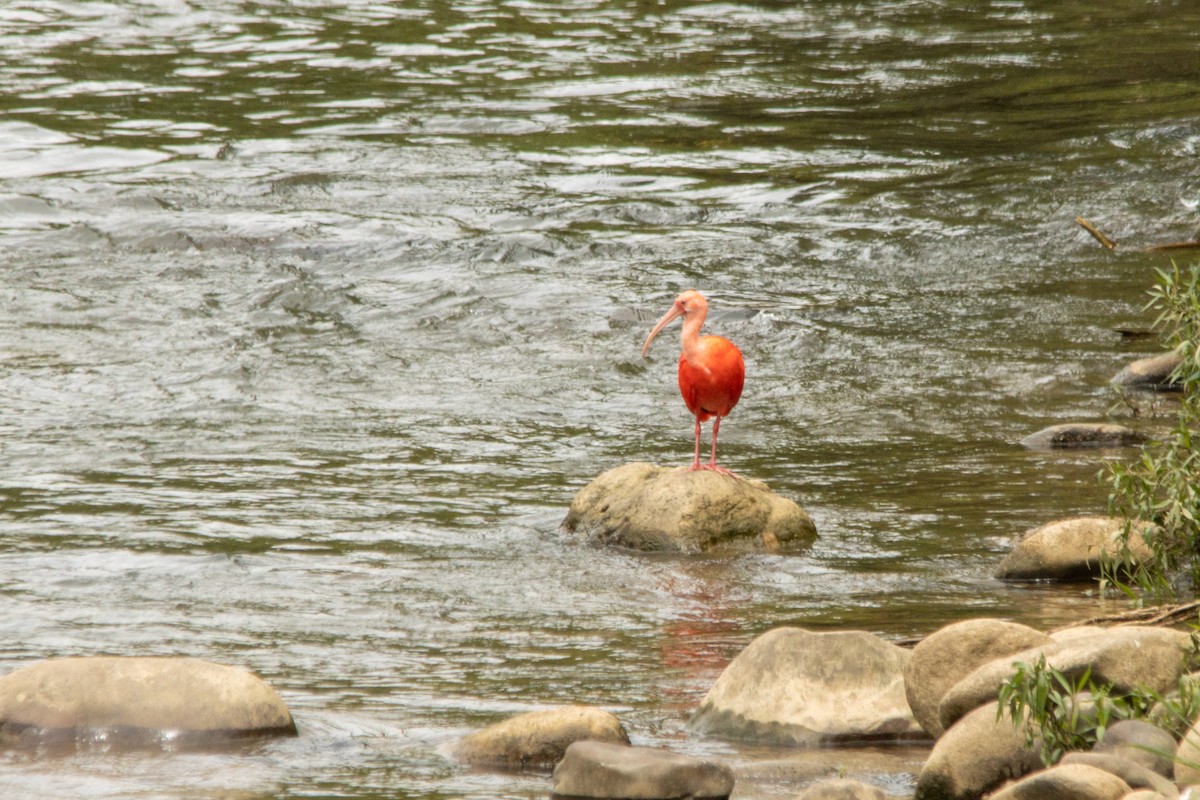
(647, 507)
(945, 657)
(978, 754)
(979, 750)
(1124, 658)
(1066, 781)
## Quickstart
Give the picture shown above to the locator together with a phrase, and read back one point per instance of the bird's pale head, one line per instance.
(690, 305)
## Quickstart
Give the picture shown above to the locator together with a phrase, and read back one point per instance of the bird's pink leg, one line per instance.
(712, 461)
(696, 459)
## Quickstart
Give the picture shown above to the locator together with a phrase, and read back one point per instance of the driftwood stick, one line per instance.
(1154, 615)
(1173, 246)
(1096, 232)
(1154, 248)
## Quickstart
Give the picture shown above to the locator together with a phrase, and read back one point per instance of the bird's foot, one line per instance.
(710, 467)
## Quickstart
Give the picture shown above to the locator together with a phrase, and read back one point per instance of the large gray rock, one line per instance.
(1135, 775)
(1071, 549)
(1142, 743)
(948, 655)
(793, 687)
(647, 507)
(130, 695)
(1153, 372)
(1072, 435)
(1066, 782)
(1124, 658)
(600, 769)
(538, 739)
(977, 754)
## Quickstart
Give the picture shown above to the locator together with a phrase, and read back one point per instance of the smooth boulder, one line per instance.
(538, 739)
(138, 694)
(647, 507)
(1123, 658)
(949, 654)
(1083, 434)
(1136, 775)
(1066, 782)
(604, 770)
(1187, 757)
(977, 754)
(795, 687)
(1142, 743)
(1153, 372)
(1071, 549)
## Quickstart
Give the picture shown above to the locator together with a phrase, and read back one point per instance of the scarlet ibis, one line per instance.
(711, 370)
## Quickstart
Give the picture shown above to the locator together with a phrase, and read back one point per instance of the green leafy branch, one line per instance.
(1163, 486)
(1060, 713)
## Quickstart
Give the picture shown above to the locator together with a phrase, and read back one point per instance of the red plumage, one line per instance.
(711, 380)
(711, 369)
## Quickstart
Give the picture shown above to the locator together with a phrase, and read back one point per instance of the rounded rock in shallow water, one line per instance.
(130, 698)
(538, 739)
(1153, 372)
(647, 507)
(617, 772)
(1081, 435)
(1071, 549)
(795, 687)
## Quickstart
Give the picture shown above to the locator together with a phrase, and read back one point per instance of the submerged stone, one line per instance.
(647, 507)
(842, 789)
(1083, 434)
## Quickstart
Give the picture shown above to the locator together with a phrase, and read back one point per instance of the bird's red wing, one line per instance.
(711, 382)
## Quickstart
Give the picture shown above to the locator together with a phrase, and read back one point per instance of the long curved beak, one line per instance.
(676, 311)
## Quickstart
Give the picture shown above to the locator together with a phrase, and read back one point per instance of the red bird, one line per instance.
(711, 370)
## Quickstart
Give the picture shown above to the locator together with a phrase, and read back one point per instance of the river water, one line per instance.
(315, 315)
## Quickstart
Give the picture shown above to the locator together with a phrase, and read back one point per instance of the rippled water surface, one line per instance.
(315, 316)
